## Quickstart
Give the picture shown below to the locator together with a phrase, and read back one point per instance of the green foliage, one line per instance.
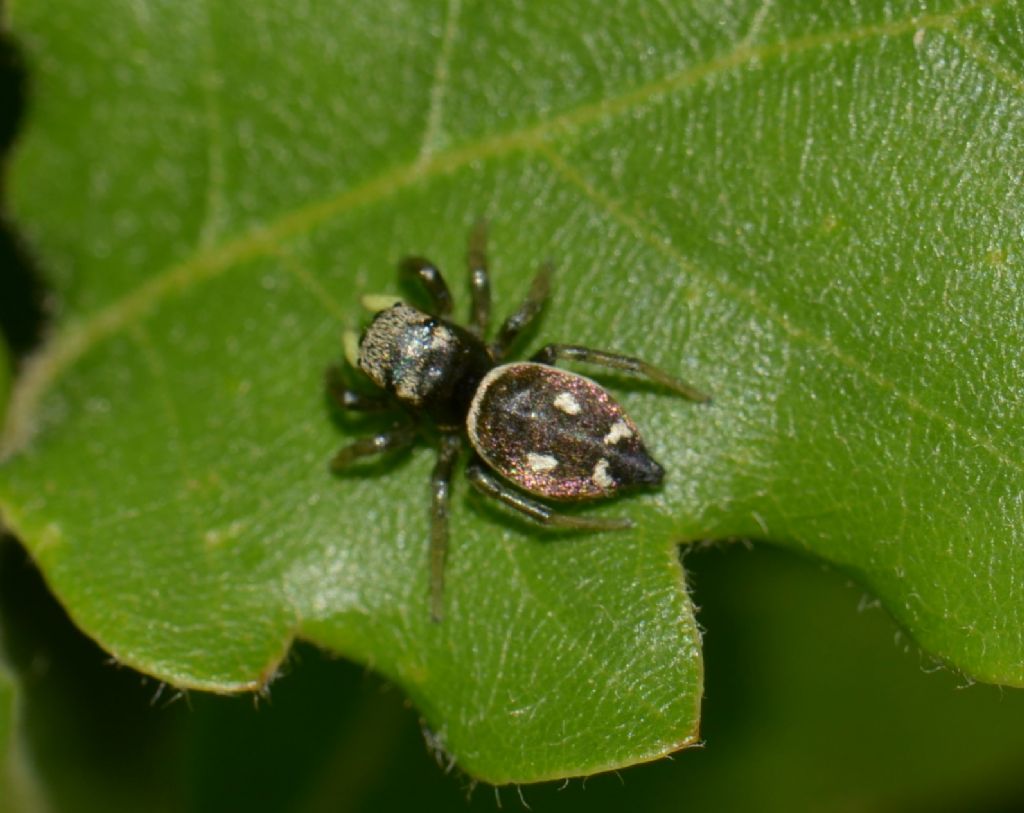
(812, 214)
(809, 707)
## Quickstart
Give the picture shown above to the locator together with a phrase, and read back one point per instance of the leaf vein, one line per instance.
(173, 430)
(583, 653)
(217, 181)
(311, 284)
(757, 22)
(207, 262)
(989, 61)
(645, 231)
(439, 88)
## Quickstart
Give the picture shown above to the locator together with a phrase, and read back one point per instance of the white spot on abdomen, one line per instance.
(566, 402)
(619, 431)
(540, 462)
(601, 477)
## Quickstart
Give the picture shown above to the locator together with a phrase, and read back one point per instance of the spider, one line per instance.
(534, 430)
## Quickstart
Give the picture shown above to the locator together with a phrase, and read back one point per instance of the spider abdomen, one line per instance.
(557, 434)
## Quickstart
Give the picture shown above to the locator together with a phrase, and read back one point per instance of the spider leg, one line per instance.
(479, 280)
(420, 269)
(526, 313)
(349, 399)
(616, 361)
(490, 486)
(398, 437)
(440, 498)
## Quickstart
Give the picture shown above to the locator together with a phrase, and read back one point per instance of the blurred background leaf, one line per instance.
(5, 378)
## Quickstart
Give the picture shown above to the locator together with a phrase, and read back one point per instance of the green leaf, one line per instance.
(851, 718)
(813, 215)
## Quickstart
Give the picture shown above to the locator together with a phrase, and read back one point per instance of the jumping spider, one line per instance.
(547, 432)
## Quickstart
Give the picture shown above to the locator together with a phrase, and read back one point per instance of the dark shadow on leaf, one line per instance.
(495, 511)
(375, 466)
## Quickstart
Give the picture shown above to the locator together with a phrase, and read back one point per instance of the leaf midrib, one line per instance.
(83, 332)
